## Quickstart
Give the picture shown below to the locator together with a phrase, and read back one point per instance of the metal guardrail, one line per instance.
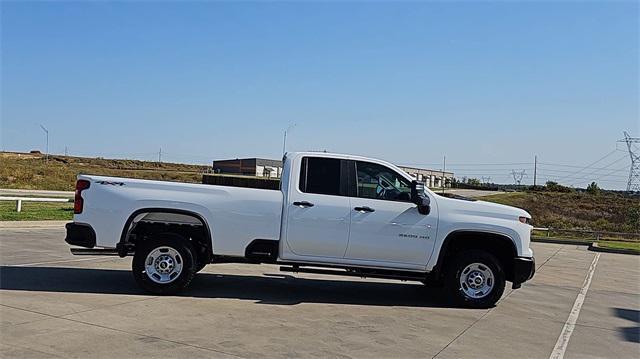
(596, 235)
(19, 200)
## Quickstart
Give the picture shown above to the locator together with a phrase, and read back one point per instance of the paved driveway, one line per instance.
(55, 305)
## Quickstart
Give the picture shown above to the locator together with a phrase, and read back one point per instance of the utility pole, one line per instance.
(535, 171)
(160, 155)
(633, 184)
(47, 150)
(66, 152)
(444, 165)
(284, 141)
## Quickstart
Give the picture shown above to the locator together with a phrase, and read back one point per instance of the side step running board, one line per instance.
(358, 273)
(95, 252)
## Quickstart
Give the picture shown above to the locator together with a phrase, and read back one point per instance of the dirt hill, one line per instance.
(31, 171)
(605, 211)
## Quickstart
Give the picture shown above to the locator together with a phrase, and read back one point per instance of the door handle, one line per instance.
(303, 204)
(364, 209)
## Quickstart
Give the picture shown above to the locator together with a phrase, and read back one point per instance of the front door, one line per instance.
(385, 226)
(319, 211)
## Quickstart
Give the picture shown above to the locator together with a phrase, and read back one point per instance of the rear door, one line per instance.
(386, 228)
(319, 211)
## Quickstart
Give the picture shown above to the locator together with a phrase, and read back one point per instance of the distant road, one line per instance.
(471, 193)
(69, 194)
(35, 192)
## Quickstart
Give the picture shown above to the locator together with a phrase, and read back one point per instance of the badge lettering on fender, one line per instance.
(412, 236)
(111, 183)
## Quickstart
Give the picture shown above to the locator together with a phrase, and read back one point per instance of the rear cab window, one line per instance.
(320, 175)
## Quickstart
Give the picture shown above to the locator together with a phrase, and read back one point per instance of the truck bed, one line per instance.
(235, 216)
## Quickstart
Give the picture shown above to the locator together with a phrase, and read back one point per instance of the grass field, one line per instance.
(635, 246)
(36, 211)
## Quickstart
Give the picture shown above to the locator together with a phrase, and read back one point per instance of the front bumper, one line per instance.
(523, 269)
(80, 234)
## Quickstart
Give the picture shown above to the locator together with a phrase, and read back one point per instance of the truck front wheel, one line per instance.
(475, 279)
(164, 264)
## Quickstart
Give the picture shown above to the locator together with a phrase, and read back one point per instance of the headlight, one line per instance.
(525, 220)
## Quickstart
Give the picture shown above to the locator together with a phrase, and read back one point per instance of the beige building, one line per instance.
(431, 178)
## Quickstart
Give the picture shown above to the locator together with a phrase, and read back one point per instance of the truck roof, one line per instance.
(350, 157)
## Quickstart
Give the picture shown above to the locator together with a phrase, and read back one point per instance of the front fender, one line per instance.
(519, 235)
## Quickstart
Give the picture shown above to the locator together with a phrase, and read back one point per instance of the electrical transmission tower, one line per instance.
(634, 171)
(518, 176)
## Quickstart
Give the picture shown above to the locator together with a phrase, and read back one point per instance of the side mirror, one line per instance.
(420, 198)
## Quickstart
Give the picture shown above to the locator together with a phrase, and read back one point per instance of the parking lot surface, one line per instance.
(53, 304)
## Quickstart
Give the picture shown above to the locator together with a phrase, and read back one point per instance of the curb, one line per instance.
(562, 241)
(32, 224)
(596, 248)
(592, 246)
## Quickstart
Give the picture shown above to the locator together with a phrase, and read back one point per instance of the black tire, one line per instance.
(200, 266)
(185, 258)
(456, 289)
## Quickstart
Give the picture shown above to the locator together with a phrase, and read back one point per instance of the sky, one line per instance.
(488, 85)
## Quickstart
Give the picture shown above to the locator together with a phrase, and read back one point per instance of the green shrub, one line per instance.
(593, 188)
(552, 186)
(633, 218)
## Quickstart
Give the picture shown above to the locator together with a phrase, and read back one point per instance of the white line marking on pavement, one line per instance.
(570, 324)
(53, 262)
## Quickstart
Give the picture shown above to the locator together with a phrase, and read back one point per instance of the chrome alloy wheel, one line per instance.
(476, 280)
(163, 265)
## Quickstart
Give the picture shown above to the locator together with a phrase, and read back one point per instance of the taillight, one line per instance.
(78, 202)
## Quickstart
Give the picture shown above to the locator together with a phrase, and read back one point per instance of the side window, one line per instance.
(379, 182)
(320, 175)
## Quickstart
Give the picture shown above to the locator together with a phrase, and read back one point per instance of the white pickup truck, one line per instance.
(333, 214)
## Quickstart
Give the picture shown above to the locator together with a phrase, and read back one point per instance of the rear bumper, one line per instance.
(80, 234)
(523, 269)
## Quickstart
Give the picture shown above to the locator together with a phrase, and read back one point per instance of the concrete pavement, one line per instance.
(54, 304)
(32, 224)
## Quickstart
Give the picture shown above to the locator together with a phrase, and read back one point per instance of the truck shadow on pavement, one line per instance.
(268, 289)
(630, 334)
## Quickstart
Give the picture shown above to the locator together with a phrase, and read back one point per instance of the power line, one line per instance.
(555, 177)
(566, 165)
(582, 178)
(593, 163)
(609, 180)
(560, 173)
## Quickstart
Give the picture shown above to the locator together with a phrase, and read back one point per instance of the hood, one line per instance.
(481, 208)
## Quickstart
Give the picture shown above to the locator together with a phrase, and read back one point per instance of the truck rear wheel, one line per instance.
(475, 279)
(164, 264)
